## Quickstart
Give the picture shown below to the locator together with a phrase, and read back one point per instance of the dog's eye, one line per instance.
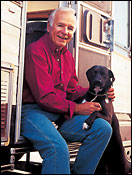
(103, 74)
(105, 77)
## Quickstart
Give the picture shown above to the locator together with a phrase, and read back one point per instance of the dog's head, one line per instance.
(100, 79)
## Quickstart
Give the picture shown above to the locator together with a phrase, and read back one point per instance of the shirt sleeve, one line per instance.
(41, 86)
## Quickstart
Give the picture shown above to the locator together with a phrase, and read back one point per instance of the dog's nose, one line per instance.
(98, 82)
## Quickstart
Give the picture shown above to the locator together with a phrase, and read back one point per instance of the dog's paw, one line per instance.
(85, 126)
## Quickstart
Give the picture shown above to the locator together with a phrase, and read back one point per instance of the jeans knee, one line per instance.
(108, 130)
(56, 150)
(62, 149)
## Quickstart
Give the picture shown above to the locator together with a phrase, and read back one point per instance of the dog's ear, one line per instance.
(88, 74)
(111, 76)
(90, 71)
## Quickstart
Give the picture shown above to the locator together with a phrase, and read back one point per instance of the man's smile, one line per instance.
(64, 38)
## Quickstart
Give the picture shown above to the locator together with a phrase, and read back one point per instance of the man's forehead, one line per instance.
(67, 15)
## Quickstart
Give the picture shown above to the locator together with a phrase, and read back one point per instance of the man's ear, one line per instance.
(48, 27)
(111, 76)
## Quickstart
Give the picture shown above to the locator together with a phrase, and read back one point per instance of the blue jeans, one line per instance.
(51, 143)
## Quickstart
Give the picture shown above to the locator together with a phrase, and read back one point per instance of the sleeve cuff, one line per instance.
(71, 110)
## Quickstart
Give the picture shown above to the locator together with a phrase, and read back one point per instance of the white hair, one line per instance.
(52, 15)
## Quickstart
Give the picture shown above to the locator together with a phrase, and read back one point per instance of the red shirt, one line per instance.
(49, 78)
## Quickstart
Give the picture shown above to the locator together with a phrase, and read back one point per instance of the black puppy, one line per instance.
(100, 80)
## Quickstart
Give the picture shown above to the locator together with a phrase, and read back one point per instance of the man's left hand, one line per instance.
(111, 94)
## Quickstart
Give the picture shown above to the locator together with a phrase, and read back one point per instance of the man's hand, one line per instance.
(111, 94)
(87, 108)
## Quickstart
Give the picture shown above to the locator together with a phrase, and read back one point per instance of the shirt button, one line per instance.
(61, 72)
(61, 84)
(58, 59)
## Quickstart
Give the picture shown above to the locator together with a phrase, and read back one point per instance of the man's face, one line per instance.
(62, 29)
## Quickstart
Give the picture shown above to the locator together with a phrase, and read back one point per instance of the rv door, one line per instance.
(13, 25)
(20, 74)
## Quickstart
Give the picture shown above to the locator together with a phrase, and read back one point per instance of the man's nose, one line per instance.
(65, 30)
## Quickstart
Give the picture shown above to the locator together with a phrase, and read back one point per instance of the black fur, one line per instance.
(103, 78)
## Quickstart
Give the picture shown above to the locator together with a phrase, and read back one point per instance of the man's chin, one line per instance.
(61, 45)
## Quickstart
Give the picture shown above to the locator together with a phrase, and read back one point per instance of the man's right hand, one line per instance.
(87, 108)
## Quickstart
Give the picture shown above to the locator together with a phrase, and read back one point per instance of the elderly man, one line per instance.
(49, 91)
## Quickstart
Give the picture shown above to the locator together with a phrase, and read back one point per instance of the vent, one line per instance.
(5, 93)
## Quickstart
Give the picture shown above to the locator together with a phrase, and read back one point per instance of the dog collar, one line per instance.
(99, 95)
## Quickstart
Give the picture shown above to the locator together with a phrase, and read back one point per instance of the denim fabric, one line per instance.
(51, 143)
